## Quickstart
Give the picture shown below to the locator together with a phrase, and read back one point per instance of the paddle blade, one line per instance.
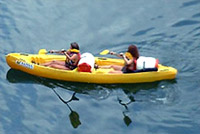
(105, 52)
(42, 51)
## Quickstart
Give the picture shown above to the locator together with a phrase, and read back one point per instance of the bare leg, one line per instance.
(53, 62)
(46, 64)
(115, 67)
(56, 64)
(59, 66)
(104, 67)
(116, 72)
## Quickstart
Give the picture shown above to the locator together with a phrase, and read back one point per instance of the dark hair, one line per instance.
(134, 51)
(75, 45)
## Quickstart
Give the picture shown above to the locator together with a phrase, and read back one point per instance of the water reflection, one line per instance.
(73, 116)
(96, 91)
(127, 119)
(15, 76)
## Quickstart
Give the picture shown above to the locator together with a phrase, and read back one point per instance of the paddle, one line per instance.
(44, 51)
(106, 51)
(127, 54)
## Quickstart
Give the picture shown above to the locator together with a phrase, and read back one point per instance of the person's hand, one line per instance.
(121, 54)
(124, 56)
(51, 51)
(63, 50)
(112, 53)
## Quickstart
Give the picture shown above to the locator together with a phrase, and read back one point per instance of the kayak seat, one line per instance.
(36, 60)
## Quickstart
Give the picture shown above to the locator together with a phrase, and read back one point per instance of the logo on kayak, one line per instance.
(24, 64)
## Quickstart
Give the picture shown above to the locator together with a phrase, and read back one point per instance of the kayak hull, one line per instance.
(31, 63)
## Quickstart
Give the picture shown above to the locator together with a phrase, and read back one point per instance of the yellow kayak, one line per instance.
(30, 63)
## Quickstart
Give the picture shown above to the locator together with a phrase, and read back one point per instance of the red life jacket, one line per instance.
(131, 67)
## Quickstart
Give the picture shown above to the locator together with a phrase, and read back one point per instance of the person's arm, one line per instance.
(116, 54)
(57, 51)
(66, 54)
(73, 58)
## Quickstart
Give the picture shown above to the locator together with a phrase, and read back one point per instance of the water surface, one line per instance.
(165, 29)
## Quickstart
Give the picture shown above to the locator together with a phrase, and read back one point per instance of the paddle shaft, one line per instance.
(56, 51)
(106, 51)
(116, 54)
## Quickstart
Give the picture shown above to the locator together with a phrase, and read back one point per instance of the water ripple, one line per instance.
(185, 23)
(196, 29)
(163, 35)
(196, 15)
(167, 30)
(190, 3)
(142, 32)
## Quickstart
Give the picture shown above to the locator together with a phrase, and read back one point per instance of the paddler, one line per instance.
(130, 58)
(72, 58)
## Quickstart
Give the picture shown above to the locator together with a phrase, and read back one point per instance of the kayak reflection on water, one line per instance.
(99, 92)
(15, 76)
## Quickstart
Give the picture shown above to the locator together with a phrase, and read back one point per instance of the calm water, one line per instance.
(166, 29)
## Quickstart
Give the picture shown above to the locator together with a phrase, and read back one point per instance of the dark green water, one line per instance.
(166, 29)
